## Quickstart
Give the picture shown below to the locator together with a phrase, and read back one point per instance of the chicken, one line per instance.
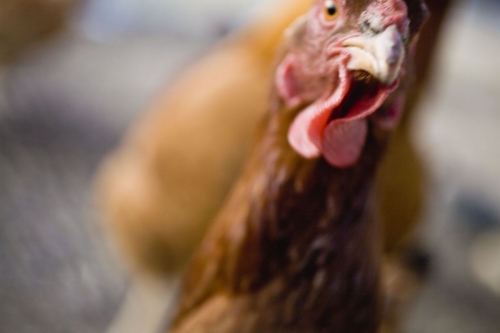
(297, 246)
(161, 189)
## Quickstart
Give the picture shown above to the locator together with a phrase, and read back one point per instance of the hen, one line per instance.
(297, 247)
(168, 179)
(164, 185)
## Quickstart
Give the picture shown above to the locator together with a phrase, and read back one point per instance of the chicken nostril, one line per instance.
(364, 26)
(372, 25)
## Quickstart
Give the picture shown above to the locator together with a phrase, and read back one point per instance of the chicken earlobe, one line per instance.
(289, 220)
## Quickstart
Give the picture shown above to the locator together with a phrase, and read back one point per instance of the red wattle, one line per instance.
(344, 141)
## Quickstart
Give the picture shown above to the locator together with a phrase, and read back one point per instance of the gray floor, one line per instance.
(66, 103)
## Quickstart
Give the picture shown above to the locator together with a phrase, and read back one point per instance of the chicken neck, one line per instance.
(296, 240)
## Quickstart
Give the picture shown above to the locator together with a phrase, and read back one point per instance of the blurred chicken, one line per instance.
(161, 189)
(297, 246)
(165, 183)
(23, 22)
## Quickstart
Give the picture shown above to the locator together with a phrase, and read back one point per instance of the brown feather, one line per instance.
(157, 200)
(295, 246)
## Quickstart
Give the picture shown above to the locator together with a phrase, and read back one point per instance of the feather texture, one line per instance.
(297, 247)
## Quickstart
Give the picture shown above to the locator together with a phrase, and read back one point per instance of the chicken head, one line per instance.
(345, 58)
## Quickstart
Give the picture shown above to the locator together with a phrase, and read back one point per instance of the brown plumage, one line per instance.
(297, 246)
(24, 22)
(161, 189)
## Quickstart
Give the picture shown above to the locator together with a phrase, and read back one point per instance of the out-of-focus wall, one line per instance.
(189, 18)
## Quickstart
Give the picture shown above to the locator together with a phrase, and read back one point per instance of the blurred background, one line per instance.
(74, 74)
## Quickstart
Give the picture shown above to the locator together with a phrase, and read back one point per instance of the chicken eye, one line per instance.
(331, 10)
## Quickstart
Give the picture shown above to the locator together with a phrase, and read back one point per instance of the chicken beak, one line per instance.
(381, 55)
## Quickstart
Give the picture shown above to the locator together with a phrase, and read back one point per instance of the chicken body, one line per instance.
(297, 247)
(162, 188)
